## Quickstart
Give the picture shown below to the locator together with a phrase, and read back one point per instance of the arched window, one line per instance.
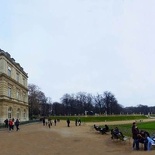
(10, 113)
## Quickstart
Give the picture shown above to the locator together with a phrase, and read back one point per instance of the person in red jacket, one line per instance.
(10, 124)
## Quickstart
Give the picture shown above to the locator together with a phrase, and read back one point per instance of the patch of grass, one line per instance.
(101, 118)
(126, 128)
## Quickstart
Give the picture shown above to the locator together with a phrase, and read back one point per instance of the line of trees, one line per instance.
(79, 104)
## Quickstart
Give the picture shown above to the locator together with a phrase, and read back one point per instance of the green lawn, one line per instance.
(102, 118)
(126, 128)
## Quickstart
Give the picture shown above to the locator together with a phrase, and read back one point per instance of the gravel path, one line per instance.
(36, 139)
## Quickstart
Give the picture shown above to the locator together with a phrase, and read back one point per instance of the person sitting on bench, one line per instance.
(117, 134)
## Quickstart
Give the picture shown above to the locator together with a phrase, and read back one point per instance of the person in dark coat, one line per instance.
(13, 123)
(135, 133)
(142, 137)
(17, 124)
(6, 123)
(68, 122)
(44, 121)
(55, 122)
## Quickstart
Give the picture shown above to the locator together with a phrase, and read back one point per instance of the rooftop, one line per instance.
(8, 56)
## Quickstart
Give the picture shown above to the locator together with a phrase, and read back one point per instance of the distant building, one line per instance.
(13, 89)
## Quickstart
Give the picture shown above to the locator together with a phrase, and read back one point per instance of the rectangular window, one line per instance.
(9, 92)
(17, 77)
(17, 95)
(9, 71)
(24, 97)
(24, 114)
(24, 81)
(9, 115)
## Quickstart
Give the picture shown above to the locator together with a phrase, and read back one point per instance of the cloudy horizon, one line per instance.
(87, 46)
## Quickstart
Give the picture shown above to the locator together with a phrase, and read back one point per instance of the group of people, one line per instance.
(48, 122)
(11, 123)
(141, 136)
(77, 122)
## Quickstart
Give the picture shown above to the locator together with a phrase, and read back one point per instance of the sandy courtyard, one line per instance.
(36, 139)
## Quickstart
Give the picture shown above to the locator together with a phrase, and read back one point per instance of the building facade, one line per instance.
(13, 89)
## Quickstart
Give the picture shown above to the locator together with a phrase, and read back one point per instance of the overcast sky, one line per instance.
(71, 46)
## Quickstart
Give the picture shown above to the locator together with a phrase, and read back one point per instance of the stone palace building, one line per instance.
(13, 89)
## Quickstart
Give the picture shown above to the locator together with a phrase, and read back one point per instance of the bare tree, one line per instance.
(111, 104)
(33, 99)
(99, 103)
(38, 104)
(66, 102)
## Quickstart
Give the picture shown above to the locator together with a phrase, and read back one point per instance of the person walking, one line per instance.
(68, 122)
(6, 123)
(49, 123)
(17, 124)
(43, 121)
(10, 124)
(55, 122)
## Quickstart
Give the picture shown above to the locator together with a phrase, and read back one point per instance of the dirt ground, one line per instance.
(36, 139)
